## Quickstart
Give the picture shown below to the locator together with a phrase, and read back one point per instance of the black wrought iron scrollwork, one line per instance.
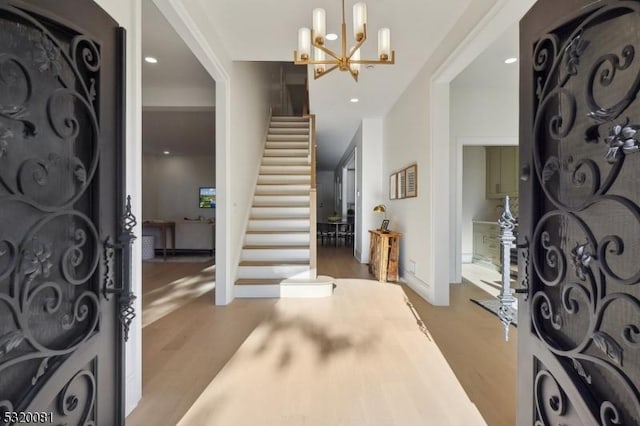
(585, 270)
(549, 397)
(126, 297)
(75, 68)
(79, 405)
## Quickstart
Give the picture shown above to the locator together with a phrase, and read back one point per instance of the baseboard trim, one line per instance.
(257, 291)
(423, 289)
(184, 252)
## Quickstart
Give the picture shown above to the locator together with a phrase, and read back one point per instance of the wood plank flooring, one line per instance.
(186, 349)
(355, 358)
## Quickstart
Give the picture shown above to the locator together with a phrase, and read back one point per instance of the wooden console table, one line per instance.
(383, 255)
(164, 225)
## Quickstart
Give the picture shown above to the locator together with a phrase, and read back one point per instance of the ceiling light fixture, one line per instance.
(346, 60)
(166, 152)
(354, 100)
(150, 59)
(332, 36)
(510, 60)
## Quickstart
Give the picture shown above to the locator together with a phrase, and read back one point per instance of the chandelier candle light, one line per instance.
(345, 61)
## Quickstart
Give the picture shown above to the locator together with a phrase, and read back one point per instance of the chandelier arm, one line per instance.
(326, 50)
(376, 61)
(317, 76)
(358, 44)
(354, 74)
(314, 62)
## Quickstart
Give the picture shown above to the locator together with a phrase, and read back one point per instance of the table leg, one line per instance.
(164, 242)
(173, 239)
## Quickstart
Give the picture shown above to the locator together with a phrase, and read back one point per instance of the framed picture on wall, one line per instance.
(411, 174)
(401, 184)
(207, 198)
(393, 186)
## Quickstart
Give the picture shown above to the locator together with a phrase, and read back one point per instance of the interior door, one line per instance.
(60, 350)
(579, 339)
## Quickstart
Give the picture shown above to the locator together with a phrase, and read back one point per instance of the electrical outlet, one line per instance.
(412, 266)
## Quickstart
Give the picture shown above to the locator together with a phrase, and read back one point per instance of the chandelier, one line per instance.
(346, 60)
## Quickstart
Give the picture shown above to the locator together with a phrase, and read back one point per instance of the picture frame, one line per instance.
(207, 197)
(411, 177)
(401, 184)
(393, 186)
(385, 225)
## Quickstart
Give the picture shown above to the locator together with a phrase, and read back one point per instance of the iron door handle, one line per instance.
(126, 297)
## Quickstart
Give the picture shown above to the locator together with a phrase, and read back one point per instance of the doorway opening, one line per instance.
(178, 171)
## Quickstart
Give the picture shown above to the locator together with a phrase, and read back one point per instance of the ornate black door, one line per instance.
(60, 200)
(579, 343)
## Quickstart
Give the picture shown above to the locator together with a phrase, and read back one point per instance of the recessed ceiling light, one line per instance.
(332, 36)
(510, 60)
(354, 100)
(166, 152)
(151, 59)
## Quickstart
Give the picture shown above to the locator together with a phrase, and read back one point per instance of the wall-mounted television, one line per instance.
(207, 199)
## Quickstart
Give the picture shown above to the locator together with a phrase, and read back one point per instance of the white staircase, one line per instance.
(276, 256)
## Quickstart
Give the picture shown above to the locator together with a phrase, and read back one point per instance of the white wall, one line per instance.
(369, 193)
(410, 136)
(129, 15)
(177, 97)
(250, 98)
(171, 184)
(483, 111)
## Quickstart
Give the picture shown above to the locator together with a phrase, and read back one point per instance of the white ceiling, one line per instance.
(257, 30)
(177, 67)
(489, 70)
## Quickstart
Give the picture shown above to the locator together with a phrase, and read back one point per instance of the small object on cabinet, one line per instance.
(385, 225)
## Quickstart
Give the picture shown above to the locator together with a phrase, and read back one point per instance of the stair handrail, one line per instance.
(313, 211)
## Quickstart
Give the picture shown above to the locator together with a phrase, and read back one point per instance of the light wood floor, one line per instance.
(166, 286)
(186, 349)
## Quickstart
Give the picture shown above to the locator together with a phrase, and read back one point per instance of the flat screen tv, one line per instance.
(207, 199)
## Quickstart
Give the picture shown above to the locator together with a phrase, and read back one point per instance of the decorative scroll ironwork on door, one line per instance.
(57, 196)
(585, 244)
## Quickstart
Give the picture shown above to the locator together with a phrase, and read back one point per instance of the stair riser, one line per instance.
(285, 170)
(280, 212)
(284, 179)
(279, 225)
(284, 200)
(281, 189)
(280, 118)
(276, 239)
(288, 131)
(273, 272)
(296, 153)
(286, 138)
(289, 124)
(290, 161)
(284, 255)
(287, 145)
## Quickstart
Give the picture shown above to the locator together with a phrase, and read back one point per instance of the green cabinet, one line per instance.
(502, 171)
(486, 243)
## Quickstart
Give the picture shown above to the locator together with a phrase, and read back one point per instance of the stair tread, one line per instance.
(247, 281)
(288, 232)
(283, 247)
(274, 263)
(301, 217)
